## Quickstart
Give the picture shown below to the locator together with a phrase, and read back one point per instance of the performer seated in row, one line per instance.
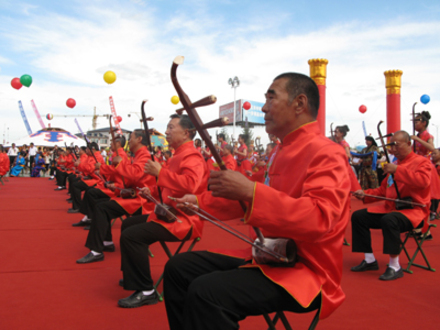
(66, 167)
(88, 179)
(101, 193)
(186, 174)
(306, 198)
(20, 163)
(99, 238)
(412, 175)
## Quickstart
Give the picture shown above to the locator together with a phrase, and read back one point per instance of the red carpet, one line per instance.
(43, 288)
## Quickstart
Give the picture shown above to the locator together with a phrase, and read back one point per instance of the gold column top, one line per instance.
(393, 81)
(318, 70)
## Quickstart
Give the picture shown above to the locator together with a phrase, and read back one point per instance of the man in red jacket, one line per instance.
(412, 176)
(99, 238)
(186, 174)
(305, 197)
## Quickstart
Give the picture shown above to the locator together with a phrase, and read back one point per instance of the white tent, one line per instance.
(49, 137)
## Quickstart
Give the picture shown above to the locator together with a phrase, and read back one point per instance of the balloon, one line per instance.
(175, 99)
(49, 116)
(246, 105)
(16, 83)
(109, 77)
(362, 109)
(119, 118)
(26, 80)
(71, 103)
(425, 99)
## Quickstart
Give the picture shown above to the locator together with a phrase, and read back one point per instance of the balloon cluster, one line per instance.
(24, 80)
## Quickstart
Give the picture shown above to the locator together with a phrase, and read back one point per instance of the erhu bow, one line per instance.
(414, 124)
(193, 115)
(399, 206)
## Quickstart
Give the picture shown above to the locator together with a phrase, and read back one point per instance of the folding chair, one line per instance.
(281, 316)
(170, 255)
(419, 242)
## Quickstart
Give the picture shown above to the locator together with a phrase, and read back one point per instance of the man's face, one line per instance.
(401, 148)
(175, 134)
(279, 113)
(134, 141)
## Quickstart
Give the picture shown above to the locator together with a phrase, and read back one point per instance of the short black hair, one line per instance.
(221, 135)
(141, 133)
(186, 123)
(94, 145)
(297, 84)
(343, 129)
(83, 149)
(121, 139)
(370, 138)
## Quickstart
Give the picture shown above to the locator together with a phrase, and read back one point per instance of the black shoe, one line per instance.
(69, 200)
(428, 237)
(109, 248)
(87, 228)
(90, 258)
(82, 223)
(121, 282)
(72, 210)
(60, 188)
(51, 178)
(138, 299)
(390, 274)
(363, 266)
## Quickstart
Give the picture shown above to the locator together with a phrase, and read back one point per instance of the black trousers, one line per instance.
(136, 236)
(61, 177)
(205, 290)
(75, 193)
(392, 224)
(100, 227)
(11, 162)
(91, 198)
(31, 162)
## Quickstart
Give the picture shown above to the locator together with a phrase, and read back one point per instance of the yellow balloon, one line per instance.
(109, 77)
(175, 99)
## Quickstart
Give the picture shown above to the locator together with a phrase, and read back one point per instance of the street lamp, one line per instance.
(234, 84)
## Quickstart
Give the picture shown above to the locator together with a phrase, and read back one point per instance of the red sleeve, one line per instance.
(316, 212)
(418, 178)
(192, 171)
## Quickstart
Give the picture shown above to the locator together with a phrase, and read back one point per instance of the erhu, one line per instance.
(279, 250)
(399, 205)
(163, 212)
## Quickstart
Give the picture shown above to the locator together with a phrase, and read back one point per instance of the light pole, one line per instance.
(234, 84)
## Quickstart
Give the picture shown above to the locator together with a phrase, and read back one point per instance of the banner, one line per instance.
(82, 133)
(38, 115)
(365, 129)
(115, 116)
(23, 115)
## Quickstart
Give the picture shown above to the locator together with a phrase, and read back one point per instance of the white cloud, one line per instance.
(70, 55)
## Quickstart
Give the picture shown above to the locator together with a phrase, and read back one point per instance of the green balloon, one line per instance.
(26, 80)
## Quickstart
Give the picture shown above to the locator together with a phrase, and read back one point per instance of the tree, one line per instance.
(225, 132)
(249, 135)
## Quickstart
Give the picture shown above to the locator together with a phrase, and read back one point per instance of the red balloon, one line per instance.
(362, 109)
(119, 118)
(71, 103)
(16, 83)
(246, 105)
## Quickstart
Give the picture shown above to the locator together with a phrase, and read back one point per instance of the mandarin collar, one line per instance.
(301, 133)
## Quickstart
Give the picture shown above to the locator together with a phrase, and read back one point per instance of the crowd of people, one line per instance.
(298, 188)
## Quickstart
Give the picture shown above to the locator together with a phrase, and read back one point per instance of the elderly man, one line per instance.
(186, 174)
(305, 198)
(412, 176)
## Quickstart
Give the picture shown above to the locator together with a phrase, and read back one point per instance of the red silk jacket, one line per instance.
(306, 198)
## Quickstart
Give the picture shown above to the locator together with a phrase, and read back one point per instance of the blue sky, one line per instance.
(67, 46)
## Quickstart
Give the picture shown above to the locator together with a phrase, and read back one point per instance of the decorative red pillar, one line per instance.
(318, 72)
(393, 83)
